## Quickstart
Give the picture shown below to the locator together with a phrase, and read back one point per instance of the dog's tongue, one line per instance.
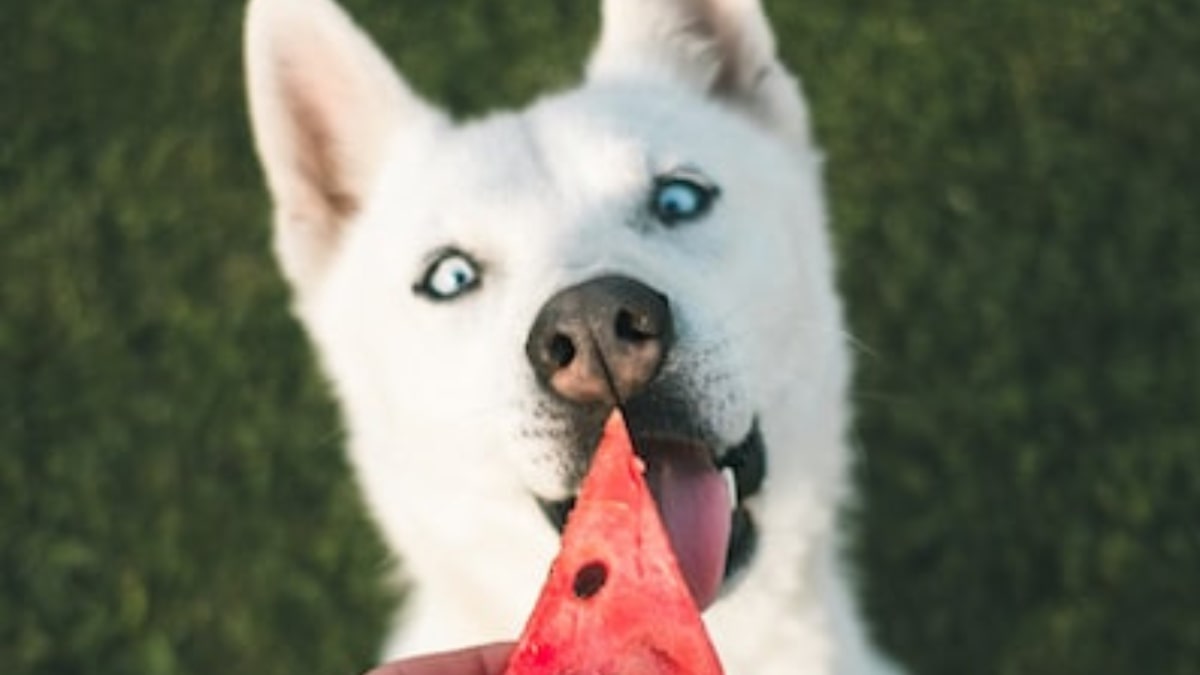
(695, 505)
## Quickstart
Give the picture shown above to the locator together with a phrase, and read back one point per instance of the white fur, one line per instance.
(442, 406)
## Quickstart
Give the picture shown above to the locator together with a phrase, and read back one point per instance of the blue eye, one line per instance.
(680, 198)
(451, 274)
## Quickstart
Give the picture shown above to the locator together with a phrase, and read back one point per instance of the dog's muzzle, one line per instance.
(603, 343)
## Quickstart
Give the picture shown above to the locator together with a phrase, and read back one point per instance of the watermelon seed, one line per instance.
(590, 579)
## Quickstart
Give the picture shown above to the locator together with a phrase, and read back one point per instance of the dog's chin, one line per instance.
(701, 491)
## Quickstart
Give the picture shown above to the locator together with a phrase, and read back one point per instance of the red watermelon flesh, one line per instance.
(615, 601)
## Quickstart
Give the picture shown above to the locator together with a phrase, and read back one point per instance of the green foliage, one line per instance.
(1014, 196)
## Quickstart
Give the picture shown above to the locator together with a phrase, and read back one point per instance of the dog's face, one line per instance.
(650, 239)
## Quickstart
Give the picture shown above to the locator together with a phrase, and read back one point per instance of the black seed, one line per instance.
(590, 579)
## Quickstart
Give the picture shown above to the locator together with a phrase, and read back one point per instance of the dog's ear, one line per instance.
(324, 104)
(723, 48)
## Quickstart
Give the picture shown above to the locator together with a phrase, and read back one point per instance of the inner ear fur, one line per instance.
(325, 104)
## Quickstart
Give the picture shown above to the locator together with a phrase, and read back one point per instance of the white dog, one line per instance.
(482, 293)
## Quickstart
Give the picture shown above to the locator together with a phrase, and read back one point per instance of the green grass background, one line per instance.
(1016, 194)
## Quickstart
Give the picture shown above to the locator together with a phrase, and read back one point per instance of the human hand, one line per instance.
(481, 660)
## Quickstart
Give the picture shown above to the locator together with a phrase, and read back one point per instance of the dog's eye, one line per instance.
(680, 197)
(450, 275)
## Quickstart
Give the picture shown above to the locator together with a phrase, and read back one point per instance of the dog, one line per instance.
(482, 293)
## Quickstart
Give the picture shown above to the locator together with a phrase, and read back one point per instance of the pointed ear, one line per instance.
(324, 104)
(723, 48)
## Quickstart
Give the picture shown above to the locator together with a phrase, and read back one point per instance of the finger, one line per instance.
(483, 660)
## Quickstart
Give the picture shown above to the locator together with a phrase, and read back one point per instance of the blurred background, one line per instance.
(1016, 199)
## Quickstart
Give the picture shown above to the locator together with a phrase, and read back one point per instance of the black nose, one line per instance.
(602, 339)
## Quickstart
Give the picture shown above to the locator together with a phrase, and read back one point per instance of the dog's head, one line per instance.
(484, 292)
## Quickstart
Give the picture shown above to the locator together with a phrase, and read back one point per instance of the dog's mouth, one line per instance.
(701, 493)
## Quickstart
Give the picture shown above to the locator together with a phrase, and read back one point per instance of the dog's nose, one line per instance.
(601, 339)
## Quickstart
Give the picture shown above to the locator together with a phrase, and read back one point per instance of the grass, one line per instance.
(1014, 188)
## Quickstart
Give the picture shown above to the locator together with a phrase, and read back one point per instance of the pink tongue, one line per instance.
(695, 505)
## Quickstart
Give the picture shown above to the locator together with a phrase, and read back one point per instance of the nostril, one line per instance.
(561, 351)
(635, 326)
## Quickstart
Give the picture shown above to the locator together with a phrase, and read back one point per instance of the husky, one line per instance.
(481, 294)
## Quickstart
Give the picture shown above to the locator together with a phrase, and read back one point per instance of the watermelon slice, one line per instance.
(615, 601)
